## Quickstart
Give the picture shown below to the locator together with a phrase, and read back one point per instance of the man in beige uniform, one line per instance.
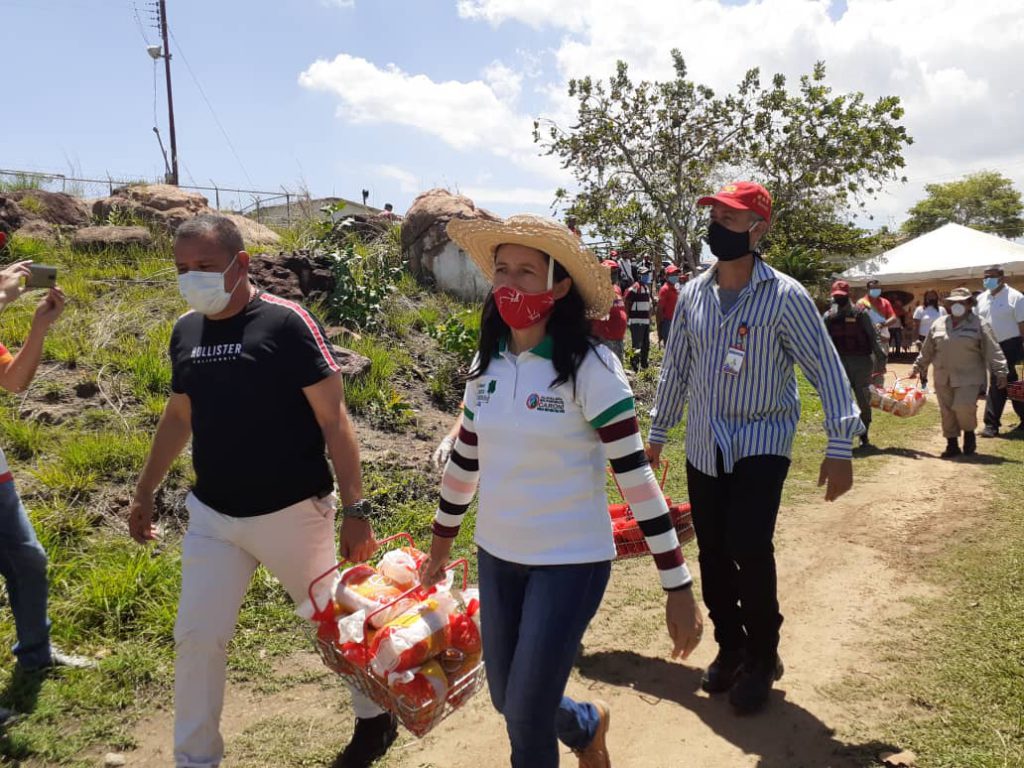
(961, 347)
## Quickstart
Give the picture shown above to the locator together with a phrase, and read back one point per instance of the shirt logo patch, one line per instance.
(484, 391)
(216, 353)
(546, 404)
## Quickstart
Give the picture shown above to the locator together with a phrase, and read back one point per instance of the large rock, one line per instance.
(11, 215)
(52, 207)
(162, 204)
(108, 237)
(253, 233)
(37, 229)
(299, 275)
(432, 257)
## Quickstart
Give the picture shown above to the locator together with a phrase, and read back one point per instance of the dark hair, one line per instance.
(567, 326)
(219, 229)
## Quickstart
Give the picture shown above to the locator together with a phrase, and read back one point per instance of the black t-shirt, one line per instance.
(256, 444)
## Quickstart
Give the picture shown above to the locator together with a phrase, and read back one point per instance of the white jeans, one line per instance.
(219, 556)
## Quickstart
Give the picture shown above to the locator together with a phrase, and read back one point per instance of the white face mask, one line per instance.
(958, 310)
(204, 291)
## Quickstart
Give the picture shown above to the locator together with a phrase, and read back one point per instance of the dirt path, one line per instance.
(843, 584)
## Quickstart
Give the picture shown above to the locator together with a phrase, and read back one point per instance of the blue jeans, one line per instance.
(533, 620)
(23, 566)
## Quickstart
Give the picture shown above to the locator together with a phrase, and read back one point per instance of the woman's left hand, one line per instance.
(685, 625)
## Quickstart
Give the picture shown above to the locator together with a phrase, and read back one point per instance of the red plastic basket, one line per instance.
(418, 719)
(629, 539)
(1015, 390)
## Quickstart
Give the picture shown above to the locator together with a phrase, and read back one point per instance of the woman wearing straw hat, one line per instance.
(960, 347)
(545, 408)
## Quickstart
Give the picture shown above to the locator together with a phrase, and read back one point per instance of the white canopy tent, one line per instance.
(944, 258)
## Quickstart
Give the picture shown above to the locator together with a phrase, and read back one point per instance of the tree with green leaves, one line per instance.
(986, 200)
(659, 146)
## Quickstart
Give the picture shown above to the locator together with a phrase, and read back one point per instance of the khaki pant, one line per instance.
(959, 408)
(218, 558)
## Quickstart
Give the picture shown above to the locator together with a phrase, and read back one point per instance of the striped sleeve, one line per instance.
(670, 399)
(807, 341)
(609, 407)
(458, 485)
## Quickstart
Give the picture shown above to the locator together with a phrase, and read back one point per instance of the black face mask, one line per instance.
(727, 245)
(841, 301)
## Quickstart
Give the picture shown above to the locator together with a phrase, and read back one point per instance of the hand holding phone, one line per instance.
(41, 276)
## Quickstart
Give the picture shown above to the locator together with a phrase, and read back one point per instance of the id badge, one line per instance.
(733, 360)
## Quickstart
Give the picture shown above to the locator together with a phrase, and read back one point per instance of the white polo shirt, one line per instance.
(1002, 311)
(542, 497)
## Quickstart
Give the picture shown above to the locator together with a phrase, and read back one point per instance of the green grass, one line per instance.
(962, 680)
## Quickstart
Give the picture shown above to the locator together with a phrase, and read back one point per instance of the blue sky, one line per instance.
(396, 96)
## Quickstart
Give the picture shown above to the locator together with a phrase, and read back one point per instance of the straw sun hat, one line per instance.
(480, 238)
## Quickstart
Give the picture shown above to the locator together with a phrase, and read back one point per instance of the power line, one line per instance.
(213, 112)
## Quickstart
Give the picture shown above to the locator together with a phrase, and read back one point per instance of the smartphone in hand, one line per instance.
(41, 276)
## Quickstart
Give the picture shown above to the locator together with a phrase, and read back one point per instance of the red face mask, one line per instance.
(521, 310)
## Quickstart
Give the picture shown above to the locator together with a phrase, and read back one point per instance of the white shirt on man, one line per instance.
(1003, 311)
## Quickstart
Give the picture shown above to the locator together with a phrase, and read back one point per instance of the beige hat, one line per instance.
(959, 294)
(480, 238)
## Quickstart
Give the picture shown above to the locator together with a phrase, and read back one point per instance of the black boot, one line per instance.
(370, 740)
(754, 685)
(952, 448)
(722, 672)
(970, 444)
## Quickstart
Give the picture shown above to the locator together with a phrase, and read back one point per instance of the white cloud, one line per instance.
(469, 116)
(505, 82)
(408, 182)
(955, 64)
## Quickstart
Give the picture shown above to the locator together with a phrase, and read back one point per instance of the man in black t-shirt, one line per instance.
(256, 386)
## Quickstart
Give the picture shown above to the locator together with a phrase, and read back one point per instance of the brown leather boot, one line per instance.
(595, 754)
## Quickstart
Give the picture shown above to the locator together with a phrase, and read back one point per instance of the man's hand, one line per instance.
(684, 622)
(838, 473)
(1001, 381)
(653, 451)
(140, 518)
(11, 286)
(50, 308)
(356, 541)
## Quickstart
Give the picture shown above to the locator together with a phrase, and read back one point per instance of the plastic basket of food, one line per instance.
(415, 652)
(899, 399)
(1015, 390)
(629, 538)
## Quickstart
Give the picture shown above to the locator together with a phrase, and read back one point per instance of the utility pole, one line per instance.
(170, 100)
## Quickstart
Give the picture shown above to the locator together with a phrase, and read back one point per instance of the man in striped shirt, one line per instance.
(638, 310)
(737, 331)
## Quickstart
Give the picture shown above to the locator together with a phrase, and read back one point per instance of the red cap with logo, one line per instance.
(744, 196)
(840, 288)
(671, 270)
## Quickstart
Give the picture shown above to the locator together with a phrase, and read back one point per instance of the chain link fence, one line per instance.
(279, 207)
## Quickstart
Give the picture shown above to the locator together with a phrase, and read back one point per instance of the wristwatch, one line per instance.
(361, 510)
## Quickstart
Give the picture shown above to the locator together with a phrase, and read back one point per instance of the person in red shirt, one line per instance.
(883, 317)
(612, 330)
(667, 296)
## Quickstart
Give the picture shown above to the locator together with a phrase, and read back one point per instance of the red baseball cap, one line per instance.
(671, 269)
(840, 288)
(744, 196)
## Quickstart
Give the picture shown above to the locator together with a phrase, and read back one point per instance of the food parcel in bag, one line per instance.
(899, 399)
(414, 651)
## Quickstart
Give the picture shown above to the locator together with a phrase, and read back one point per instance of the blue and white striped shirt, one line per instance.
(756, 412)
